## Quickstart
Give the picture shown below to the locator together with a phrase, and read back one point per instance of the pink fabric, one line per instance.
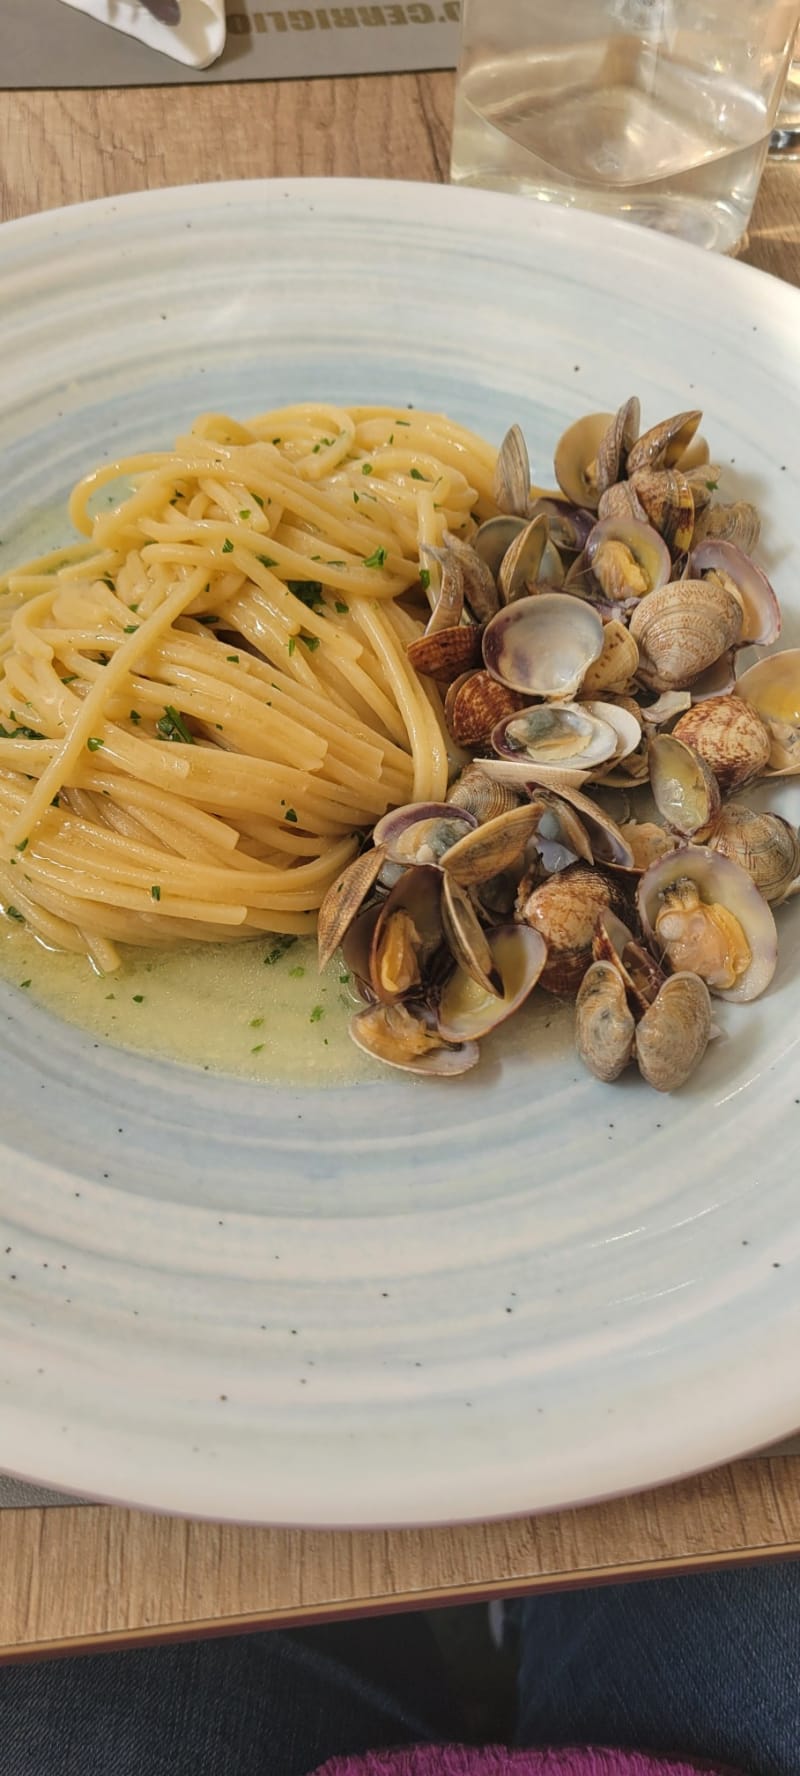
(462, 1760)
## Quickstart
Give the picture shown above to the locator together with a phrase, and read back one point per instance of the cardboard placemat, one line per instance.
(46, 44)
(14, 1493)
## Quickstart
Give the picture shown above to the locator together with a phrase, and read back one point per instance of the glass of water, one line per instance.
(785, 141)
(659, 111)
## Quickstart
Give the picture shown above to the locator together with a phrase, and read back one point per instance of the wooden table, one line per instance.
(95, 1576)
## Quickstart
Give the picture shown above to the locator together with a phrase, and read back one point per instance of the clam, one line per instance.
(565, 910)
(477, 793)
(730, 736)
(772, 688)
(626, 723)
(604, 1023)
(445, 654)
(704, 915)
(725, 564)
(575, 459)
(674, 1032)
(466, 938)
(448, 607)
(494, 538)
(665, 445)
(493, 847)
(616, 443)
(543, 646)
(737, 523)
(568, 526)
(621, 501)
(421, 832)
(627, 557)
(405, 1036)
(638, 970)
(703, 480)
(646, 841)
(682, 629)
(668, 502)
(475, 703)
(566, 735)
(518, 572)
(765, 845)
(665, 708)
(685, 790)
(617, 665)
(344, 900)
(606, 839)
(466, 1011)
(407, 934)
(480, 590)
(561, 837)
(512, 475)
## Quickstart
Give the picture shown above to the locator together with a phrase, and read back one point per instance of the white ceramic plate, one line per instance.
(403, 1301)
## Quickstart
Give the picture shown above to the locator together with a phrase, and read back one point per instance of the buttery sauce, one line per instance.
(254, 1009)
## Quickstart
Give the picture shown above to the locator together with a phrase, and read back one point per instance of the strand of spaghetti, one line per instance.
(92, 709)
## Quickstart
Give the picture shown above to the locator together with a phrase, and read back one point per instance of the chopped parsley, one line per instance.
(296, 973)
(343, 979)
(138, 998)
(21, 844)
(308, 591)
(416, 475)
(311, 642)
(266, 561)
(56, 802)
(355, 499)
(290, 815)
(233, 658)
(134, 716)
(257, 1049)
(14, 913)
(93, 743)
(130, 628)
(155, 891)
(712, 486)
(207, 616)
(259, 501)
(25, 983)
(171, 726)
(424, 578)
(316, 1014)
(70, 678)
(292, 644)
(245, 514)
(14, 733)
(256, 1023)
(376, 559)
(341, 607)
(227, 547)
(366, 468)
(279, 948)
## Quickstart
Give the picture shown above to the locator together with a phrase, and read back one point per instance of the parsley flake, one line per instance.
(279, 948)
(341, 607)
(290, 815)
(424, 578)
(134, 716)
(233, 658)
(14, 913)
(355, 499)
(266, 561)
(416, 475)
(93, 743)
(366, 468)
(245, 514)
(257, 1049)
(25, 983)
(130, 628)
(308, 591)
(316, 1014)
(376, 559)
(311, 642)
(296, 973)
(227, 547)
(292, 644)
(21, 844)
(155, 891)
(138, 998)
(171, 726)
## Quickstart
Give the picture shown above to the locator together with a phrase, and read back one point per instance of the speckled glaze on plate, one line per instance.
(397, 1301)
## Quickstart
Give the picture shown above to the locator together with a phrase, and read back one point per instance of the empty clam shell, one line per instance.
(772, 687)
(604, 1025)
(518, 573)
(494, 538)
(406, 1037)
(761, 616)
(736, 523)
(448, 606)
(626, 723)
(575, 459)
(466, 939)
(568, 525)
(466, 1011)
(685, 790)
(673, 1035)
(480, 589)
(543, 646)
(703, 913)
(730, 736)
(494, 846)
(717, 681)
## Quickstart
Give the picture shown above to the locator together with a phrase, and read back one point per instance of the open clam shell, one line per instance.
(543, 646)
(405, 1036)
(448, 604)
(685, 790)
(445, 653)
(665, 445)
(565, 910)
(477, 793)
(519, 570)
(480, 589)
(568, 526)
(606, 839)
(668, 501)
(407, 934)
(737, 523)
(466, 939)
(567, 735)
(494, 537)
(512, 474)
(717, 681)
(421, 832)
(628, 558)
(475, 703)
(625, 722)
(704, 914)
(575, 459)
(761, 615)
(730, 736)
(494, 846)
(772, 688)
(617, 664)
(466, 1011)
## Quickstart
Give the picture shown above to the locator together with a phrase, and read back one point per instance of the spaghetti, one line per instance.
(203, 703)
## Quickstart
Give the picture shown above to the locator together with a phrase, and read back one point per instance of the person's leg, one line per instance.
(707, 1666)
(267, 1704)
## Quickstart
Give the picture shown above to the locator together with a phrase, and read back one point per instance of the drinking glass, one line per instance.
(659, 111)
(785, 140)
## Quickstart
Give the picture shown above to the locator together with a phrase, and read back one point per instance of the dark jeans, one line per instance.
(706, 1666)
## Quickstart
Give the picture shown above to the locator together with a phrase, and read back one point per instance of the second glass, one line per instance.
(659, 111)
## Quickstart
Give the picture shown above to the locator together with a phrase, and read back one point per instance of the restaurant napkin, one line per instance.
(197, 40)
